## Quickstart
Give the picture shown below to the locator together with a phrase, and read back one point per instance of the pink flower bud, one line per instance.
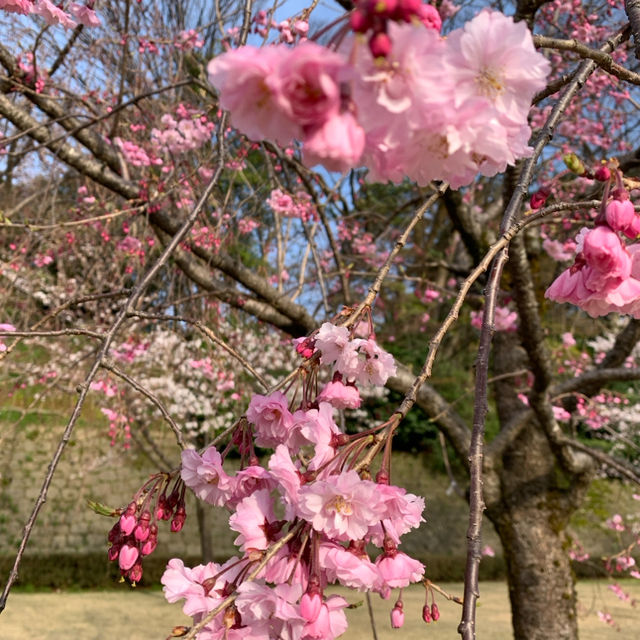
(620, 214)
(127, 557)
(426, 613)
(141, 532)
(150, 545)
(384, 8)
(435, 612)
(397, 615)
(127, 524)
(310, 605)
(406, 9)
(429, 16)
(113, 552)
(602, 174)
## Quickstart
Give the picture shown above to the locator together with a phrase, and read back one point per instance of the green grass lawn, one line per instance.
(144, 615)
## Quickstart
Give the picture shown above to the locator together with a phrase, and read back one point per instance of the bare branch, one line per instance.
(109, 365)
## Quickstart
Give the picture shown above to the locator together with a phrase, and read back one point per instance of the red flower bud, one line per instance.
(539, 198)
(135, 573)
(380, 45)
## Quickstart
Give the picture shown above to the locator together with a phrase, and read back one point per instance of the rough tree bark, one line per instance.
(535, 504)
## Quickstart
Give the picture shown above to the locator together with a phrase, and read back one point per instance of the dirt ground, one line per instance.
(145, 615)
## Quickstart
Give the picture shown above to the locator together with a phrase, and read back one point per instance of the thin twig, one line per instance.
(449, 596)
(372, 620)
(109, 365)
(131, 302)
(374, 289)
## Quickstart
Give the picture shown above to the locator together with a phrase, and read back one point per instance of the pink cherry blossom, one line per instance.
(84, 14)
(402, 512)
(316, 427)
(308, 79)
(350, 568)
(249, 84)
(398, 569)
(17, 6)
(205, 476)
(180, 582)
(331, 341)
(343, 506)
(330, 623)
(340, 396)
(377, 366)
(271, 417)
(337, 144)
(248, 480)
(285, 473)
(285, 565)
(252, 519)
(609, 260)
(493, 58)
(270, 613)
(52, 14)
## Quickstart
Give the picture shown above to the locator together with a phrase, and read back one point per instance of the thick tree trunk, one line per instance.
(536, 501)
(204, 529)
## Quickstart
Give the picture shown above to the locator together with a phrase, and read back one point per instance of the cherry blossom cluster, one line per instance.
(55, 14)
(296, 205)
(135, 535)
(191, 131)
(605, 275)
(372, 17)
(288, 30)
(433, 108)
(316, 492)
(202, 389)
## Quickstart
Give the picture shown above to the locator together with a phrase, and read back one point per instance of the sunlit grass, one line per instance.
(144, 615)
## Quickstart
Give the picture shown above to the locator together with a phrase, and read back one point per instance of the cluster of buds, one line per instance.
(602, 174)
(135, 535)
(430, 612)
(372, 17)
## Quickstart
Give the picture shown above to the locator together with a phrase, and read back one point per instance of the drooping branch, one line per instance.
(109, 365)
(480, 407)
(129, 305)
